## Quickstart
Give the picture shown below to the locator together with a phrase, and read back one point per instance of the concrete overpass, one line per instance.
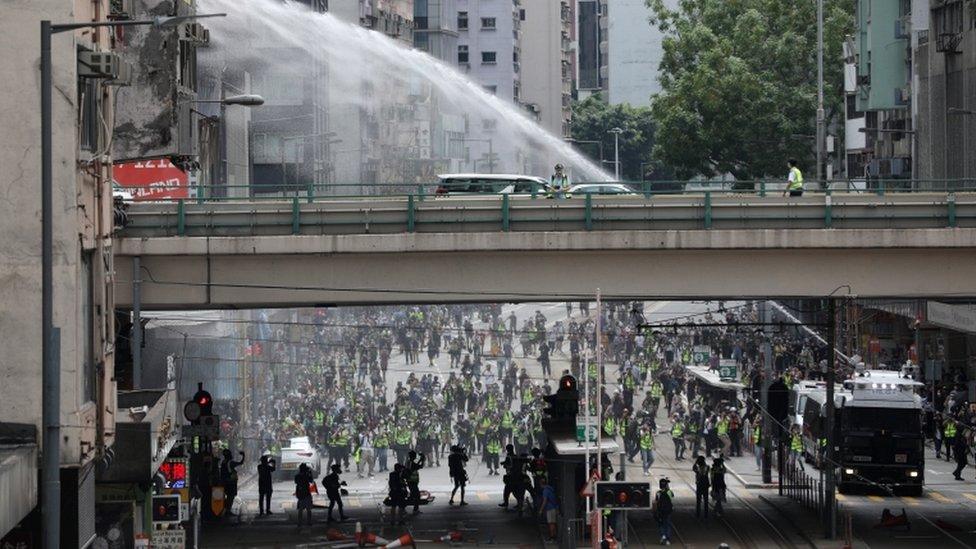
(249, 254)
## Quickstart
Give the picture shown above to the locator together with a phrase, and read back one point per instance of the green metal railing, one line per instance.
(649, 189)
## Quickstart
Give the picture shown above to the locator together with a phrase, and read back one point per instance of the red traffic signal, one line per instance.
(567, 383)
(623, 495)
(199, 406)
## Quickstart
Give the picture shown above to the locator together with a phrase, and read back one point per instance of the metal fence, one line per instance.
(804, 485)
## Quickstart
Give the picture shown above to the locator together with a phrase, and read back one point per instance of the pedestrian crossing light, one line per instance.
(199, 406)
(623, 495)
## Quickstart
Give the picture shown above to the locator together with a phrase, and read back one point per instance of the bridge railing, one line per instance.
(312, 192)
(415, 212)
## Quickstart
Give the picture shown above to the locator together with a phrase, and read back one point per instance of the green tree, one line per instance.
(739, 84)
(593, 119)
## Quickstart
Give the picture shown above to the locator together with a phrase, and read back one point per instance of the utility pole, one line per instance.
(830, 470)
(599, 396)
(820, 92)
(768, 428)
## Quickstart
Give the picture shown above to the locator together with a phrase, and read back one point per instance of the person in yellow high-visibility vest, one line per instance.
(794, 181)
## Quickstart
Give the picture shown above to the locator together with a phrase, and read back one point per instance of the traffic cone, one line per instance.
(452, 536)
(367, 537)
(402, 541)
(333, 534)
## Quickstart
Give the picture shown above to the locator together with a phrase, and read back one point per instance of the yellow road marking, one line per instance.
(876, 498)
(355, 502)
(910, 500)
(483, 496)
(939, 497)
(971, 497)
(841, 497)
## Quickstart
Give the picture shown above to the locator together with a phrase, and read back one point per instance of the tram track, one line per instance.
(742, 537)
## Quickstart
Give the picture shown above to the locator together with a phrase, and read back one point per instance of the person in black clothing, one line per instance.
(303, 492)
(544, 359)
(960, 449)
(265, 470)
(228, 477)
(455, 463)
(507, 478)
(718, 483)
(332, 486)
(702, 483)
(397, 492)
(414, 465)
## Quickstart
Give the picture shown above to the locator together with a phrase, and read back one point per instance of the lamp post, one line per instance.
(616, 152)
(50, 336)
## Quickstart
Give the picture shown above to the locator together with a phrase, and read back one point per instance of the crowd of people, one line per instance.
(488, 408)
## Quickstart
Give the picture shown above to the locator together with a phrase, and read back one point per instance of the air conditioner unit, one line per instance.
(196, 33)
(903, 96)
(119, 10)
(124, 76)
(903, 29)
(97, 64)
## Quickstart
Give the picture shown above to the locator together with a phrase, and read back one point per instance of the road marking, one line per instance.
(971, 497)
(876, 498)
(355, 502)
(910, 500)
(939, 497)
(841, 497)
(483, 496)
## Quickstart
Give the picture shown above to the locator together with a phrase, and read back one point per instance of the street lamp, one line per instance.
(246, 100)
(616, 152)
(50, 336)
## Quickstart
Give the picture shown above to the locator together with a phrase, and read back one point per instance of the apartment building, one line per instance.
(489, 52)
(547, 46)
(591, 47)
(634, 52)
(84, 89)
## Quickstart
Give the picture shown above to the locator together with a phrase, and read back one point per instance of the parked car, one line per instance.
(298, 451)
(454, 184)
(602, 188)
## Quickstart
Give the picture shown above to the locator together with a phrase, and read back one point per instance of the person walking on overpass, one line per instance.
(794, 181)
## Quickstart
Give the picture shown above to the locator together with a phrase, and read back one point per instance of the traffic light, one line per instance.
(623, 495)
(564, 403)
(201, 405)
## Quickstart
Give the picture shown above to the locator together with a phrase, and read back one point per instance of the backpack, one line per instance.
(664, 504)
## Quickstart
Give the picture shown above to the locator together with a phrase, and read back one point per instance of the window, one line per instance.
(488, 58)
(88, 114)
(487, 23)
(187, 74)
(492, 89)
(462, 54)
(462, 20)
(521, 15)
(489, 124)
(89, 382)
(852, 111)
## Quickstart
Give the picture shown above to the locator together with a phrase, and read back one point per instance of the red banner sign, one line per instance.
(151, 179)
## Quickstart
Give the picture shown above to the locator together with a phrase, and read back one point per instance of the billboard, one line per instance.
(148, 180)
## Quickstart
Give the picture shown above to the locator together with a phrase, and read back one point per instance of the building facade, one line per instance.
(633, 52)
(83, 301)
(547, 47)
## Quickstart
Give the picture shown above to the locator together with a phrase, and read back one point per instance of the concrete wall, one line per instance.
(634, 52)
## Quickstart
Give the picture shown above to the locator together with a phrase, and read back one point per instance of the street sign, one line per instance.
(701, 354)
(728, 370)
(586, 428)
(169, 539)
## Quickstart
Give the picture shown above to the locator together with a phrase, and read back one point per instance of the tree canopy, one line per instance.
(593, 119)
(739, 84)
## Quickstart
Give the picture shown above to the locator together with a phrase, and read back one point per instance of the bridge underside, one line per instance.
(280, 271)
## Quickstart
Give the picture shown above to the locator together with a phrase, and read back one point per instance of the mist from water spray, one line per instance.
(257, 33)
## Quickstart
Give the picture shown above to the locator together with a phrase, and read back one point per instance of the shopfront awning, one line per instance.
(18, 484)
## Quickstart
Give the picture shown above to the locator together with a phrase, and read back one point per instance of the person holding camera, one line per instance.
(456, 462)
(414, 465)
(333, 491)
